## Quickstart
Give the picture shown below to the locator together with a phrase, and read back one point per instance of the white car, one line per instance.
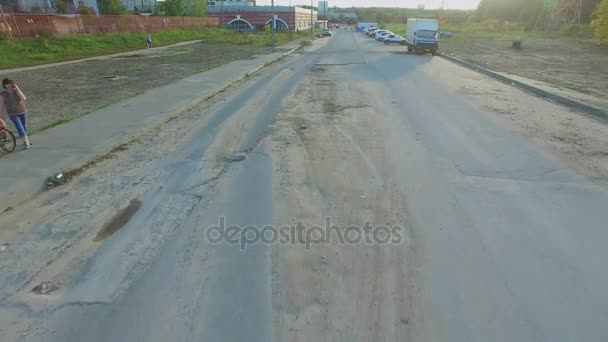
(394, 39)
(371, 31)
(382, 36)
(377, 32)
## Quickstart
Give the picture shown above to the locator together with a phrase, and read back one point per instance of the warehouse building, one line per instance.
(252, 18)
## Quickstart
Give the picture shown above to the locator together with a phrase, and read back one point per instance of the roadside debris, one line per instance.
(3, 247)
(55, 180)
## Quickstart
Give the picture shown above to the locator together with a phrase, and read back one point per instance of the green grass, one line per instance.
(54, 123)
(44, 50)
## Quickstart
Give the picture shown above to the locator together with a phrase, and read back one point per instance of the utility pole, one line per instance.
(311, 23)
(221, 12)
(273, 24)
(443, 5)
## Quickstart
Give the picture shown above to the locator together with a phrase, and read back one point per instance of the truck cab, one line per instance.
(422, 35)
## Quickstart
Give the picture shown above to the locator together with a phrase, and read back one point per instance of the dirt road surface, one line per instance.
(361, 195)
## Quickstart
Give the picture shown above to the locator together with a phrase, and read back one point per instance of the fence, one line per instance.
(20, 26)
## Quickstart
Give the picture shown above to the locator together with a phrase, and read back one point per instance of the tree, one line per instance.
(111, 7)
(62, 7)
(531, 13)
(600, 23)
(196, 8)
(587, 9)
(174, 7)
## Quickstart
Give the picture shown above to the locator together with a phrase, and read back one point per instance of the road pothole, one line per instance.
(119, 220)
(236, 157)
(47, 287)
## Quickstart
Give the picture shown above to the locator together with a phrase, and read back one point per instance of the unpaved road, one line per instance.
(486, 211)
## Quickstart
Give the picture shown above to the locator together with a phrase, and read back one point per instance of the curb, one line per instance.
(94, 158)
(574, 104)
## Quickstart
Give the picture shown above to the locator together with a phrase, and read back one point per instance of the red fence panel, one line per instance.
(34, 25)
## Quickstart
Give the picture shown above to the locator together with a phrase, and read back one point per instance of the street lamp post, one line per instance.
(311, 24)
(273, 25)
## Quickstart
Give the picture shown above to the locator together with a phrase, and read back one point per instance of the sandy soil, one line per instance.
(65, 91)
(579, 140)
(576, 65)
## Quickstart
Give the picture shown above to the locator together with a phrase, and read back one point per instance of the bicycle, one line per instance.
(7, 140)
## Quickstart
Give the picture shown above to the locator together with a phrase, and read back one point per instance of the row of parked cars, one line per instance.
(385, 36)
(421, 36)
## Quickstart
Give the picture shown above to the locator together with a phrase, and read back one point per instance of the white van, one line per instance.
(422, 35)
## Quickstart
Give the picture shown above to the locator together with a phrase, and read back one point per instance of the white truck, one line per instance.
(422, 35)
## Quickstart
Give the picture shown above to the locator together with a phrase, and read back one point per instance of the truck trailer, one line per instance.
(422, 35)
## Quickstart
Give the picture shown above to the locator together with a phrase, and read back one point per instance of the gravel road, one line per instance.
(362, 195)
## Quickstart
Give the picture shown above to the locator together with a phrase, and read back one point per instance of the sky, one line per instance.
(451, 4)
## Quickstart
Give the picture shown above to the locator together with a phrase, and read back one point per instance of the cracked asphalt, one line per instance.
(486, 208)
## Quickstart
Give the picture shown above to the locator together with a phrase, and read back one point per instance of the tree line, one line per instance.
(539, 14)
(532, 15)
(193, 8)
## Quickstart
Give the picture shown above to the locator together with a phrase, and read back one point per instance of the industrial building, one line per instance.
(252, 18)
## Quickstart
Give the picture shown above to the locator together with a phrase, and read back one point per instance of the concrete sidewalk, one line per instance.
(77, 142)
(80, 60)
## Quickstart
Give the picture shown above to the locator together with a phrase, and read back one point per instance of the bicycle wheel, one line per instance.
(7, 141)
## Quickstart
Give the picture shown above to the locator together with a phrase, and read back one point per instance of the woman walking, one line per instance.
(14, 103)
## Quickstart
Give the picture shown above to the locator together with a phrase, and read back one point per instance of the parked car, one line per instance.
(325, 33)
(378, 32)
(380, 37)
(394, 39)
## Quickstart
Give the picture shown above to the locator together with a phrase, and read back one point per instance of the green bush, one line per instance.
(600, 23)
(112, 7)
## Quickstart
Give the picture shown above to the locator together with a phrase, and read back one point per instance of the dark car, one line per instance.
(325, 33)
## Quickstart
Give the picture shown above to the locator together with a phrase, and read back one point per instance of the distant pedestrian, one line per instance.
(149, 41)
(14, 103)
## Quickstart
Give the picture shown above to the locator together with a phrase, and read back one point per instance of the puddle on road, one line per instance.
(119, 220)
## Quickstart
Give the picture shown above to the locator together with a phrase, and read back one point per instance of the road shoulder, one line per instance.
(79, 142)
